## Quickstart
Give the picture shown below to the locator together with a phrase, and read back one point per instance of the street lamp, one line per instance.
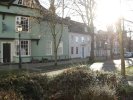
(106, 49)
(19, 29)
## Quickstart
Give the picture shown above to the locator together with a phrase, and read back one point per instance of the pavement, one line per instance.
(111, 65)
(48, 66)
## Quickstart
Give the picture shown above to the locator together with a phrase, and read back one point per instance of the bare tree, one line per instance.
(86, 10)
(56, 24)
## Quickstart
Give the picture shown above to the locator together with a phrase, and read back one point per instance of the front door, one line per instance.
(6, 52)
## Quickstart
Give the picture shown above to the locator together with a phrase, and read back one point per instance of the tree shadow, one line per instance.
(109, 66)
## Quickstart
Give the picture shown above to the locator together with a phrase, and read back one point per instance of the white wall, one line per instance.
(82, 41)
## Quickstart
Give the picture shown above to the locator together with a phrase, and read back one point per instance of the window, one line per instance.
(77, 39)
(60, 49)
(76, 50)
(20, 2)
(28, 3)
(100, 44)
(72, 50)
(24, 21)
(24, 47)
(49, 48)
(82, 39)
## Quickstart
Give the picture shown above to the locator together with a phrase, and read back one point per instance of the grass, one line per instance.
(129, 70)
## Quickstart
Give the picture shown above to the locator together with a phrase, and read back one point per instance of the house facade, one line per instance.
(79, 40)
(36, 39)
(107, 45)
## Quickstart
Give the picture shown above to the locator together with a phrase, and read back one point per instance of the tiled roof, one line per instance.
(77, 27)
(6, 2)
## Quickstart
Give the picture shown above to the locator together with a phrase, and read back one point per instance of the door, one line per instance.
(82, 52)
(6, 52)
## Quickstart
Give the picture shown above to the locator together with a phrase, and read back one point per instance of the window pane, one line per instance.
(24, 44)
(60, 48)
(72, 50)
(49, 48)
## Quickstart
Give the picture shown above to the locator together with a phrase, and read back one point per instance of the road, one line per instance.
(111, 65)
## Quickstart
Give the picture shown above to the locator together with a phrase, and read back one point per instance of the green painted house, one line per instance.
(36, 39)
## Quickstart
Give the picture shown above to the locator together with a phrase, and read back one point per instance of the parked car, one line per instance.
(128, 54)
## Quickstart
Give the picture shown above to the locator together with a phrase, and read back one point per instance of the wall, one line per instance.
(39, 50)
(73, 43)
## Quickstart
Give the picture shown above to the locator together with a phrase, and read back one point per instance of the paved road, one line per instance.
(111, 65)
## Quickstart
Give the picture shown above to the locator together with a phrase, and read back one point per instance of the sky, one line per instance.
(107, 12)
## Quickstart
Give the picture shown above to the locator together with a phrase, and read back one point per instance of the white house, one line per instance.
(79, 40)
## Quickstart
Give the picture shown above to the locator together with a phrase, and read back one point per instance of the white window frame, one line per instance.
(49, 48)
(18, 21)
(22, 2)
(60, 52)
(17, 44)
(77, 39)
(82, 39)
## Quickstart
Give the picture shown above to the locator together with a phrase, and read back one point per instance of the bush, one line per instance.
(78, 83)
(31, 87)
(98, 93)
(9, 95)
(67, 84)
(70, 84)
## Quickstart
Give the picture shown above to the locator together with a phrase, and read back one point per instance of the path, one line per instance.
(111, 65)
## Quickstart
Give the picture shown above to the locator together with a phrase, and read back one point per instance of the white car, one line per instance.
(128, 54)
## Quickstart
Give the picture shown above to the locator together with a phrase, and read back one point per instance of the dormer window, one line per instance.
(20, 2)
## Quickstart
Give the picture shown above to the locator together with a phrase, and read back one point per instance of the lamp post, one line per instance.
(19, 28)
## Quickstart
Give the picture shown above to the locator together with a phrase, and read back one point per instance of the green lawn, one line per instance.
(129, 70)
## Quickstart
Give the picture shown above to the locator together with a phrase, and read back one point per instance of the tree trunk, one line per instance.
(55, 52)
(92, 48)
(121, 49)
(111, 47)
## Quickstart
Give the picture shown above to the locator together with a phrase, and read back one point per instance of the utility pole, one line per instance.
(129, 43)
(121, 31)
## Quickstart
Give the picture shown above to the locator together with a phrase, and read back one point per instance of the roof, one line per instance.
(77, 27)
(6, 2)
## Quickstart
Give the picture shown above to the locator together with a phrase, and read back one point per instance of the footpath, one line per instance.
(48, 66)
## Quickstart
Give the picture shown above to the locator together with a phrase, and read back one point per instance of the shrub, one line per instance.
(70, 84)
(9, 95)
(67, 84)
(78, 83)
(29, 86)
(98, 93)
